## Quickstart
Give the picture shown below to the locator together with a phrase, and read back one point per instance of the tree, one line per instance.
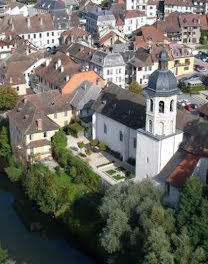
(59, 140)
(81, 145)
(184, 88)
(3, 254)
(5, 147)
(8, 97)
(134, 87)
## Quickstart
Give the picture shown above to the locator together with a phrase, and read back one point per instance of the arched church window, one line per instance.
(171, 105)
(161, 128)
(150, 126)
(151, 105)
(161, 107)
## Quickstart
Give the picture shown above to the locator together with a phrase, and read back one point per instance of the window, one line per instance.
(161, 107)
(40, 35)
(45, 134)
(55, 115)
(31, 151)
(121, 136)
(31, 137)
(134, 143)
(52, 33)
(171, 105)
(17, 88)
(147, 160)
(150, 126)
(47, 41)
(151, 105)
(28, 36)
(105, 129)
(109, 72)
(34, 35)
(66, 113)
(186, 68)
(47, 34)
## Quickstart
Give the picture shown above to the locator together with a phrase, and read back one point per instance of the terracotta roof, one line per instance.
(109, 35)
(134, 13)
(178, 2)
(151, 2)
(76, 32)
(183, 171)
(119, 21)
(56, 76)
(21, 26)
(39, 143)
(150, 33)
(79, 51)
(170, 24)
(190, 20)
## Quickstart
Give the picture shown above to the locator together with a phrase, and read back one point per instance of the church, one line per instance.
(151, 130)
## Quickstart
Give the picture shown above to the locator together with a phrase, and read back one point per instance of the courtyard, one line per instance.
(109, 168)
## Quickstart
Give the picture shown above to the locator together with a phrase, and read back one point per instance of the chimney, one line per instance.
(28, 22)
(39, 123)
(47, 62)
(59, 62)
(62, 68)
(67, 77)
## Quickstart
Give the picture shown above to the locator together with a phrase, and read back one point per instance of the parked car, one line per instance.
(194, 106)
(199, 68)
(188, 107)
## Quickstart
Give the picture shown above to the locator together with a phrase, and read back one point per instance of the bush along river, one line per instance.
(30, 236)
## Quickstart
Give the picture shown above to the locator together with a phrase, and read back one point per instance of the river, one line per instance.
(46, 247)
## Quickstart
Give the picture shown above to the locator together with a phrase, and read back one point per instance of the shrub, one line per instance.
(102, 145)
(134, 87)
(8, 97)
(73, 129)
(14, 172)
(88, 152)
(130, 175)
(80, 144)
(131, 161)
(59, 140)
(93, 142)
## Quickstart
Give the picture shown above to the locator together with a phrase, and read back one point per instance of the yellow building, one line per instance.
(35, 120)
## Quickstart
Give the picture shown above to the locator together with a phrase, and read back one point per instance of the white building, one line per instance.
(110, 66)
(149, 7)
(133, 20)
(38, 30)
(18, 10)
(97, 21)
(180, 6)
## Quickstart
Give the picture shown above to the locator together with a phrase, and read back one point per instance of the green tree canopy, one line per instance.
(8, 97)
(59, 140)
(134, 87)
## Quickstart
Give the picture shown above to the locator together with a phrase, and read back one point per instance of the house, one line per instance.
(97, 21)
(149, 7)
(110, 66)
(145, 62)
(83, 98)
(17, 8)
(34, 121)
(16, 71)
(3, 8)
(183, 59)
(76, 35)
(79, 53)
(49, 6)
(148, 35)
(181, 6)
(39, 29)
(71, 5)
(133, 19)
(170, 27)
(111, 37)
(200, 7)
(191, 26)
(62, 73)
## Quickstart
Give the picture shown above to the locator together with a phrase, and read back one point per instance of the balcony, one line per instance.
(180, 64)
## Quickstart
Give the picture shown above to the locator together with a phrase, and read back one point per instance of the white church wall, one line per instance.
(112, 135)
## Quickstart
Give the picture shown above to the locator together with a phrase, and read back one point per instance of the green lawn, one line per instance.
(118, 177)
(111, 172)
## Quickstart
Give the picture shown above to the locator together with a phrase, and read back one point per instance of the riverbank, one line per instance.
(53, 246)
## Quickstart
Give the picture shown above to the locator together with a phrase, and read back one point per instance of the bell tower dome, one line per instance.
(161, 99)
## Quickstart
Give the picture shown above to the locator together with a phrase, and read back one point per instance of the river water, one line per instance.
(48, 246)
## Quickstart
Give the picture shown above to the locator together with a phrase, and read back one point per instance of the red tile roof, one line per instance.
(178, 2)
(39, 143)
(183, 171)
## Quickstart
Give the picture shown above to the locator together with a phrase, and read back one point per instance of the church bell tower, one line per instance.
(159, 140)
